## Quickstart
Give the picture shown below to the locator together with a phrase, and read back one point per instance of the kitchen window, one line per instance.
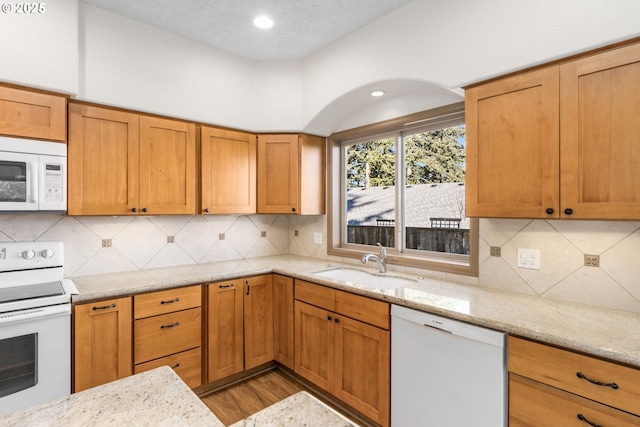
(401, 183)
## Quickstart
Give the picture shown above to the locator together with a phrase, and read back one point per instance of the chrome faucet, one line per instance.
(380, 259)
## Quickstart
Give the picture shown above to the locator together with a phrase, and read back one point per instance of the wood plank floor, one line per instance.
(238, 401)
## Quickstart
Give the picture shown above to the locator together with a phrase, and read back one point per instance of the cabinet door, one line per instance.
(102, 342)
(103, 161)
(258, 321)
(167, 166)
(283, 320)
(600, 99)
(313, 168)
(278, 170)
(363, 368)
(33, 115)
(314, 344)
(225, 346)
(228, 171)
(513, 146)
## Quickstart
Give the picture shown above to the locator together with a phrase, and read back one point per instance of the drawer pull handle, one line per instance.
(177, 365)
(230, 285)
(612, 385)
(248, 287)
(583, 418)
(170, 326)
(171, 301)
(104, 307)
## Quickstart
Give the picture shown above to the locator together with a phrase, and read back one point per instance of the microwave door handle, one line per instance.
(32, 181)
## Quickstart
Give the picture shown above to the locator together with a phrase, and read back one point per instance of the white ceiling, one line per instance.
(302, 27)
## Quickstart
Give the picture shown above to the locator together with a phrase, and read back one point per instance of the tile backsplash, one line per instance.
(142, 242)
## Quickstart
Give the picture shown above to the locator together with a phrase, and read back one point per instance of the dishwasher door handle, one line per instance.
(437, 329)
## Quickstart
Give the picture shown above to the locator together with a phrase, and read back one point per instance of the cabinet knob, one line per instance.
(293, 209)
(329, 318)
(336, 320)
(206, 210)
(134, 209)
(549, 211)
(144, 209)
(568, 211)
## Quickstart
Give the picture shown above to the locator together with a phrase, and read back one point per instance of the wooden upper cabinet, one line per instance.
(512, 146)
(228, 171)
(167, 166)
(103, 159)
(600, 150)
(122, 163)
(291, 174)
(30, 114)
(557, 142)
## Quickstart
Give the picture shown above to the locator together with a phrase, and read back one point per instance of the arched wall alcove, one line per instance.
(358, 108)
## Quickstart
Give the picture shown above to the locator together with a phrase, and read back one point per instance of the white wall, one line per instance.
(452, 43)
(41, 50)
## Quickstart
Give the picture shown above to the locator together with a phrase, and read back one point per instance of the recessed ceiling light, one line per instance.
(263, 22)
(377, 92)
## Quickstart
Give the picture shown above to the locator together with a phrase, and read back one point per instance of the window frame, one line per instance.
(437, 118)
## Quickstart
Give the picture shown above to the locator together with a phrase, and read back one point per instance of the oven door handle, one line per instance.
(37, 313)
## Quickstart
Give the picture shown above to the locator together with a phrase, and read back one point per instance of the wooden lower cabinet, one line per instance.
(533, 404)
(258, 321)
(550, 386)
(344, 356)
(314, 343)
(102, 342)
(283, 349)
(225, 348)
(168, 331)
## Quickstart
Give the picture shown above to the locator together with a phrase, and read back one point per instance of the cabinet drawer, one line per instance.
(162, 302)
(159, 336)
(187, 365)
(320, 296)
(361, 308)
(535, 404)
(562, 369)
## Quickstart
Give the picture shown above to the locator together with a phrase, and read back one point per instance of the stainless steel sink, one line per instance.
(364, 278)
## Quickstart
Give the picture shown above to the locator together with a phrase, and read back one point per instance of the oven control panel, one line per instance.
(16, 256)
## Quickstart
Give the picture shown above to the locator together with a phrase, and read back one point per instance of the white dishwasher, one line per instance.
(446, 373)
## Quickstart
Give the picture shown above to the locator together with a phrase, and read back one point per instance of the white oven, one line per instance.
(35, 325)
(33, 175)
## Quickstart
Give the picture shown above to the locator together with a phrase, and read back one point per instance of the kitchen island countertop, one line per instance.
(602, 332)
(153, 398)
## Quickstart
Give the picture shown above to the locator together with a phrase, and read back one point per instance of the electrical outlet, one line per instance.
(496, 251)
(592, 260)
(263, 234)
(106, 243)
(296, 233)
(529, 258)
(221, 236)
(317, 238)
(171, 239)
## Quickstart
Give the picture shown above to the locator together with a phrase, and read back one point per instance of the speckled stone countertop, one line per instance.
(597, 331)
(157, 398)
(299, 410)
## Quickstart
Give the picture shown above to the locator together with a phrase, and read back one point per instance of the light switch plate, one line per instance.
(317, 238)
(529, 258)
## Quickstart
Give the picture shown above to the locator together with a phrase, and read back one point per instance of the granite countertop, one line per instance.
(299, 410)
(607, 333)
(156, 398)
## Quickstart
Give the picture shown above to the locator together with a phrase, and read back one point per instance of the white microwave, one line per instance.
(33, 175)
